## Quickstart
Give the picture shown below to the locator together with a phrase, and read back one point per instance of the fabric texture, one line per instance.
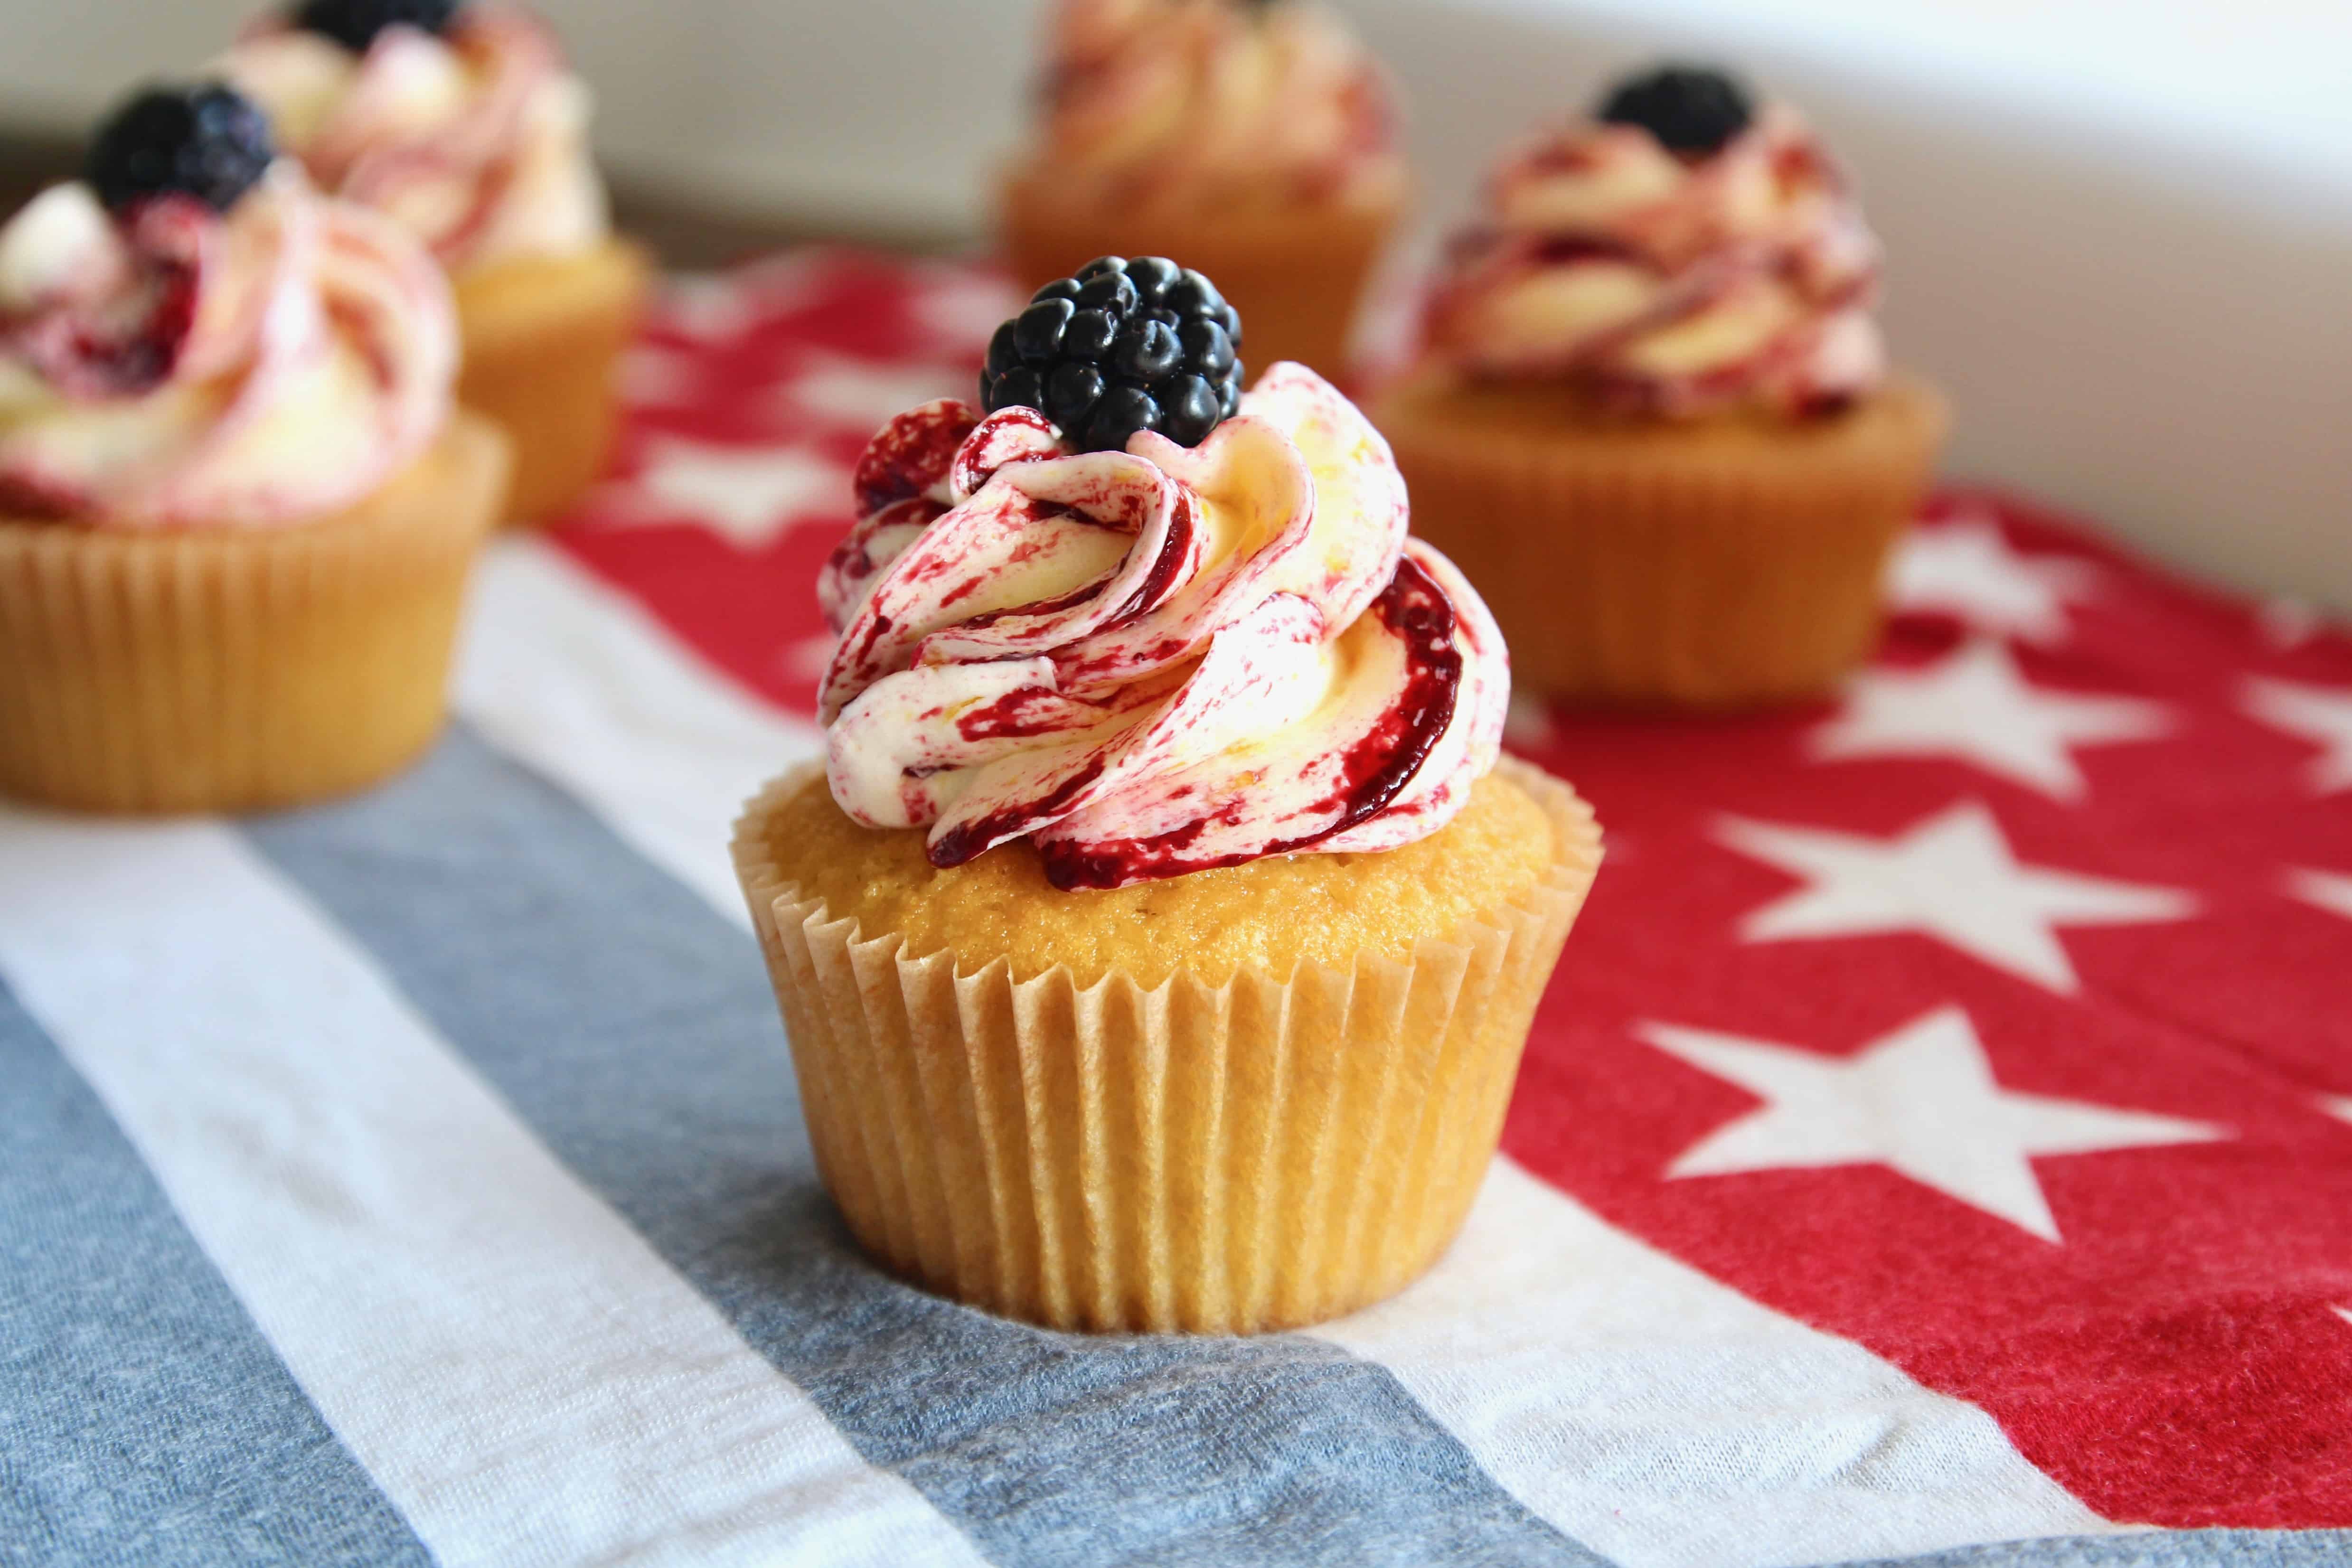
(1933, 1150)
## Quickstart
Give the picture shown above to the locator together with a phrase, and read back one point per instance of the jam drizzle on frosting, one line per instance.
(476, 139)
(1156, 661)
(1186, 102)
(178, 366)
(1669, 284)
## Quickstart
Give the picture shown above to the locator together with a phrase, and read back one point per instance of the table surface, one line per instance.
(1935, 1146)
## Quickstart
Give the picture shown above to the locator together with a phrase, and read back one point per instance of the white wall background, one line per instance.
(2120, 230)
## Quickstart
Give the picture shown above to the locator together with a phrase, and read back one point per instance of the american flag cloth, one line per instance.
(1936, 1148)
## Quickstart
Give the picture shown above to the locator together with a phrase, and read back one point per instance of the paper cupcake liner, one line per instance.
(221, 669)
(1717, 564)
(1297, 277)
(1228, 1158)
(543, 339)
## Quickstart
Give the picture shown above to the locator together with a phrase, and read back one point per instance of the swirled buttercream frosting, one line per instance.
(1154, 661)
(1669, 281)
(475, 138)
(1186, 103)
(168, 364)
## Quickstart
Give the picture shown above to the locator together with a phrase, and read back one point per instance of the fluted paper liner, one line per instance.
(1714, 565)
(543, 340)
(1227, 1158)
(1296, 275)
(228, 669)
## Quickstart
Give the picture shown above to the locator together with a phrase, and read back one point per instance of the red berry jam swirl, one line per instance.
(1157, 661)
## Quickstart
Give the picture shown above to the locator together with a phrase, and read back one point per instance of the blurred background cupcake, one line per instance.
(464, 123)
(2120, 251)
(1256, 139)
(236, 512)
(1655, 413)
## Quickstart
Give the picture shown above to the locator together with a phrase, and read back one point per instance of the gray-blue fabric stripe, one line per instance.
(633, 1029)
(144, 1419)
(2169, 1549)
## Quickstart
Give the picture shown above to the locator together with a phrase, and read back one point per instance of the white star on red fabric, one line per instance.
(863, 396)
(655, 373)
(2326, 889)
(1967, 568)
(1951, 877)
(1977, 708)
(749, 495)
(1529, 724)
(709, 306)
(705, 305)
(2338, 1106)
(1921, 1101)
(961, 308)
(2288, 623)
(808, 658)
(2322, 715)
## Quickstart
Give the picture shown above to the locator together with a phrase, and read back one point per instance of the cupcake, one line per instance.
(236, 512)
(465, 124)
(1158, 937)
(1655, 416)
(1256, 139)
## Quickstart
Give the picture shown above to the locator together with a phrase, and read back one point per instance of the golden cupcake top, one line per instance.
(1147, 623)
(1185, 104)
(1269, 915)
(462, 121)
(192, 335)
(1682, 250)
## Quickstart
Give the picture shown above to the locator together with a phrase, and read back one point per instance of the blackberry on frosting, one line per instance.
(1691, 109)
(202, 139)
(355, 23)
(1120, 346)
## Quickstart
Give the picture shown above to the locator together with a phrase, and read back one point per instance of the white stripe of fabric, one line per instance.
(1668, 1421)
(1633, 1402)
(521, 1375)
(576, 681)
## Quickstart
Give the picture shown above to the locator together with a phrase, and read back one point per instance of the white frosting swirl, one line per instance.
(477, 141)
(1670, 285)
(1154, 660)
(182, 366)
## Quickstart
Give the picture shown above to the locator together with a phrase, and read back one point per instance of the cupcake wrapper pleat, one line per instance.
(219, 669)
(1713, 566)
(1228, 1158)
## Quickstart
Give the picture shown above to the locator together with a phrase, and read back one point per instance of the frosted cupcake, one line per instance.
(1159, 936)
(1256, 140)
(1656, 417)
(464, 123)
(237, 514)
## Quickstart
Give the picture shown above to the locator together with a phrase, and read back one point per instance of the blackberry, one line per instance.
(1122, 346)
(1691, 109)
(203, 140)
(355, 23)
